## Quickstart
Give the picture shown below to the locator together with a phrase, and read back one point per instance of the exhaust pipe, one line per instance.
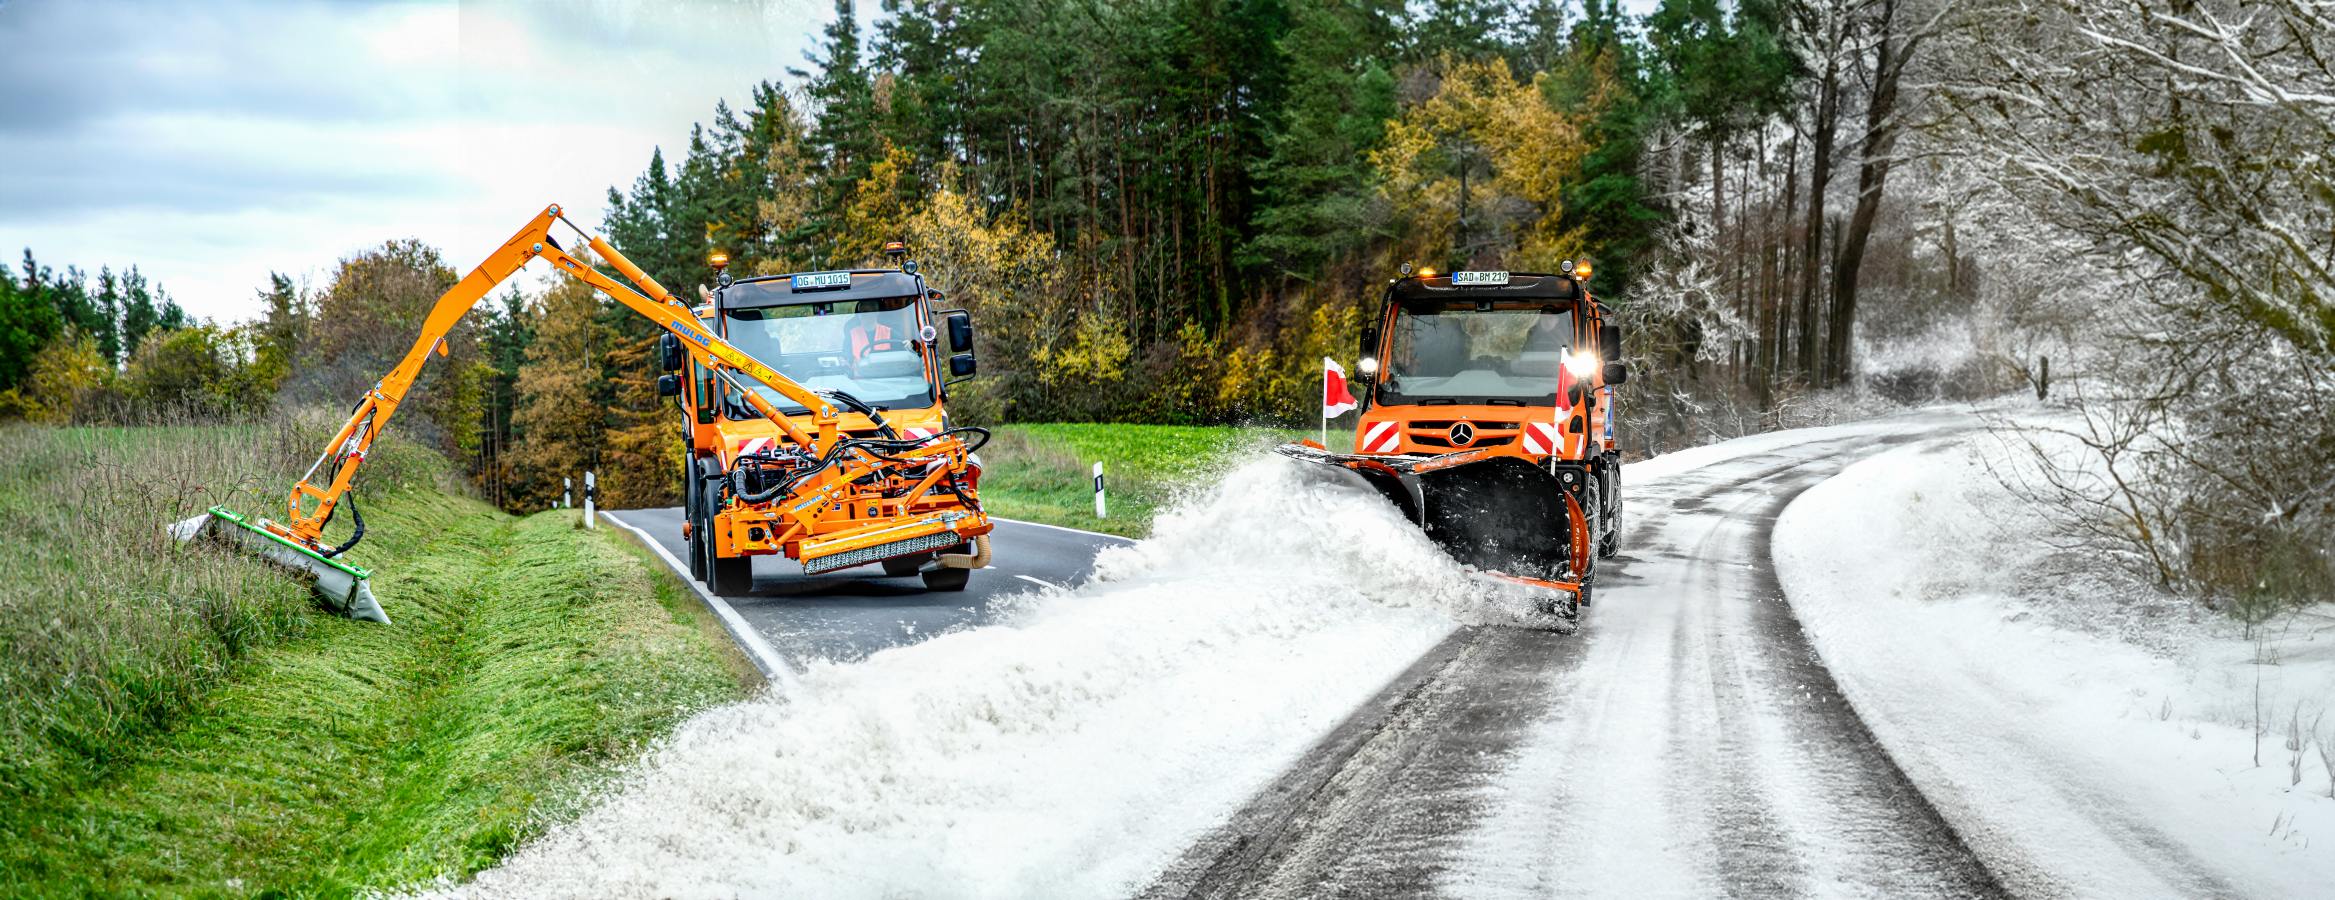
(977, 559)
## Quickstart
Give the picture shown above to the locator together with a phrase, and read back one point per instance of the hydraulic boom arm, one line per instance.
(327, 481)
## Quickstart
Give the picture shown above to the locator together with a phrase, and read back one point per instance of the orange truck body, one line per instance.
(887, 515)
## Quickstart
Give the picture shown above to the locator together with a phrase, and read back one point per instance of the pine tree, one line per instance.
(28, 322)
(282, 328)
(1606, 201)
(842, 98)
(1316, 195)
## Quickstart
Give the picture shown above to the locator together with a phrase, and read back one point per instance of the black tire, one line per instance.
(733, 575)
(1586, 573)
(699, 548)
(947, 579)
(1610, 544)
(904, 566)
(689, 500)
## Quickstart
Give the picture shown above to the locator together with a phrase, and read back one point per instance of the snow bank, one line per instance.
(1069, 751)
(2073, 762)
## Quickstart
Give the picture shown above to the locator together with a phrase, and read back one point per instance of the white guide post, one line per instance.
(1100, 512)
(591, 493)
(567, 492)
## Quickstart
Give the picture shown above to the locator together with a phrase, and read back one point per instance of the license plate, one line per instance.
(819, 280)
(1476, 279)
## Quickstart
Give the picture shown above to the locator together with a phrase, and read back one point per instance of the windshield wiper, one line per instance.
(1502, 401)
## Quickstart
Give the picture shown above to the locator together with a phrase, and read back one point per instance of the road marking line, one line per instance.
(1068, 529)
(1039, 581)
(764, 656)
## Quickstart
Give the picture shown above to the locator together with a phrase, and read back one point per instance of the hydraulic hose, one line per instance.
(876, 447)
(355, 515)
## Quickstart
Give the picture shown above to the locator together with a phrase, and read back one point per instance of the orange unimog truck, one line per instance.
(813, 468)
(1487, 418)
(875, 345)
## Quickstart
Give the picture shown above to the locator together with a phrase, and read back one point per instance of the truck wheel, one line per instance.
(1585, 571)
(947, 579)
(697, 542)
(1610, 542)
(904, 566)
(698, 548)
(725, 576)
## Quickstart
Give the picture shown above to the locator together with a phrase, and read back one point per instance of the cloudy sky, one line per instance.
(212, 142)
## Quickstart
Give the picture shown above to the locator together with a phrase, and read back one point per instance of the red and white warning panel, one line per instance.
(1541, 437)
(1381, 437)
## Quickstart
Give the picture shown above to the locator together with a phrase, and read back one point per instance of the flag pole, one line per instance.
(1325, 424)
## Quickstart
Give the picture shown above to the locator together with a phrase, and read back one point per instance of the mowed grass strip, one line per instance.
(1044, 472)
(529, 658)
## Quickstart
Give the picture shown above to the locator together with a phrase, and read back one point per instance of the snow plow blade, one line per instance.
(1497, 513)
(344, 588)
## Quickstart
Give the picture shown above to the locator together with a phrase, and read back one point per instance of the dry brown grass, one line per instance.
(112, 629)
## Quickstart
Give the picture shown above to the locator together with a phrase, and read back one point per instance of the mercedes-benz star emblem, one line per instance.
(1462, 434)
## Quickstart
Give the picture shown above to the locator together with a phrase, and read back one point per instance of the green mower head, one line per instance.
(346, 589)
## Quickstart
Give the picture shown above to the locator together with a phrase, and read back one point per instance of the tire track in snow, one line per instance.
(1378, 808)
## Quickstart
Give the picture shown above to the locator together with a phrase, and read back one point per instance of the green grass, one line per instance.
(200, 729)
(1043, 473)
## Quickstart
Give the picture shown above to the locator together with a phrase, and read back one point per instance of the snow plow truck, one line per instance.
(1488, 420)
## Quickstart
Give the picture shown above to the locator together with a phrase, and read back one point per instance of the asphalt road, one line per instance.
(846, 615)
(1687, 742)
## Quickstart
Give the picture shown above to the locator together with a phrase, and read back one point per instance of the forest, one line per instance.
(1170, 211)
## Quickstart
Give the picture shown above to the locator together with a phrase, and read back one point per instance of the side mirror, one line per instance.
(1617, 373)
(960, 337)
(1369, 345)
(962, 365)
(668, 385)
(1609, 342)
(669, 351)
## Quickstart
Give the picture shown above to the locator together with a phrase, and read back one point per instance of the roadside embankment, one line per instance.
(2087, 733)
(182, 720)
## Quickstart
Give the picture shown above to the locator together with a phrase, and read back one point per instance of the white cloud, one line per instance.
(212, 143)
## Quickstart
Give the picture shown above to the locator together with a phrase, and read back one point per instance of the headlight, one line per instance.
(1583, 365)
(1368, 365)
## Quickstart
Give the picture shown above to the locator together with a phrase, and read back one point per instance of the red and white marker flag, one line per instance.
(1335, 397)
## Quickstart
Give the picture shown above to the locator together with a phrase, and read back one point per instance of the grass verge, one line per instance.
(1044, 472)
(199, 729)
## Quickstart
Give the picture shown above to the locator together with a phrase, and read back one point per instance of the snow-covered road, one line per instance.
(1289, 692)
(1686, 743)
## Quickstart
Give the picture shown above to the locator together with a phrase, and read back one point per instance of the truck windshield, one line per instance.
(865, 348)
(1458, 353)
